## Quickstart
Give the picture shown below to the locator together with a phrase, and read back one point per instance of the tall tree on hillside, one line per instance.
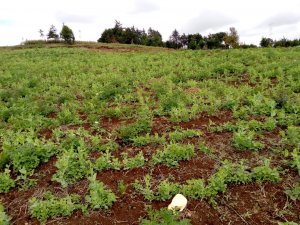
(231, 39)
(52, 34)
(174, 40)
(67, 34)
(154, 38)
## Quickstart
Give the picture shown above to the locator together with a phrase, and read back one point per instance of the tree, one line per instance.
(67, 34)
(154, 38)
(41, 33)
(52, 33)
(266, 42)
(231, 39)
(174, 40)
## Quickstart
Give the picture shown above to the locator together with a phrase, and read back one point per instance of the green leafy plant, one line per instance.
(122, 187)
(288, 223)
(72, 165)
(173, 153)
(265, 173)
(106, 161)
(164, 216)
(133, 162)
(145, 188)
(99, 197)
(244, 140)
(294, 193)
(6, 183)
(194, 188)
(50, 206)
(179, 135)
(148, 139)
(166, 190)
(4, 218)
(296, 159)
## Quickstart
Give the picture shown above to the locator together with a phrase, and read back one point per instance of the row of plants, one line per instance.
(227, 174)
(50, 206)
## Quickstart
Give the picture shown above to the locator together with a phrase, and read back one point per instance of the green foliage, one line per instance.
(265, 173)
(148, 139)
(288, 223)
(50, 206)
(244, 140)
(166, 190)
(145, 188)
(294, 193)
(67, 34)
(228, 173)
(141, 126)
(296, 159)
(122, 187)
(72, 165)
(194, 188)
(291, 137)
(109, 146)
(24, 151)
(179, 135)
(164, 216)
(106, 161)
(4, 218)
(100, 197)
(6, 183)
(133, 162)
(172, 154)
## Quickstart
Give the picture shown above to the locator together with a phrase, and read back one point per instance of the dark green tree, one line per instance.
(52, 34)
(174, 40)
(154, 38)
(266, 42)
(66, 33)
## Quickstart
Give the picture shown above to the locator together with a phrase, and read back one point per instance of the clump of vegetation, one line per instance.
(148, 139)
(50, 206)
(179, 135)
(173, 153)
(133, 162)
(4, 218)
(100, 197)
(228, 173)
(265, 173)
(72, 165)
(106, 161)
(164, 216)
(294, 193)
(6, 183)
(244, 140)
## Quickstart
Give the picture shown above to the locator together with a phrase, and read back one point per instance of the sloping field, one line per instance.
(110, 136)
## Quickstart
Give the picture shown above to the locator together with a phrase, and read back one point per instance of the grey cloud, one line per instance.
(208, 20)
(144, 6)
(281, 19)
(74, 18)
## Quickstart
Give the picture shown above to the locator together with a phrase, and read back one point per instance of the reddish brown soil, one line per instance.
(253, 203)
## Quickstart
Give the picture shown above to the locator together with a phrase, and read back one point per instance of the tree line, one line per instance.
(152, 37)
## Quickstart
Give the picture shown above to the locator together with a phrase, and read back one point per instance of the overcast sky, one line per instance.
(22, 19)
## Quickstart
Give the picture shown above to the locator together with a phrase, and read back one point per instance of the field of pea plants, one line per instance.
(109, 135)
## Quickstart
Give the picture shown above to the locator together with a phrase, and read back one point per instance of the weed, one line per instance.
(100, 197)
(172, 154)
(50, 206)
(4, 218)
(6, 183)
(164, 216)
